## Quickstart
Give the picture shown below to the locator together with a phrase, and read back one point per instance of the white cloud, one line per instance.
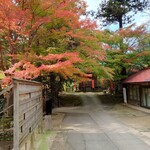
(92, 5)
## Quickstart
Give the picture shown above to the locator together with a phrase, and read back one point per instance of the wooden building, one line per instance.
(137, 88)
(91, 85)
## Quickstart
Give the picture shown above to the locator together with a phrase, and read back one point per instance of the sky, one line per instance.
(139, 18)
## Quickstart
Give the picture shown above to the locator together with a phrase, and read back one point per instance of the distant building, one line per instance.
(137, 88)
(91, 85)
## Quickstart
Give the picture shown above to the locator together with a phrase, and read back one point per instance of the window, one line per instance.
(134, 92)
(146, 97)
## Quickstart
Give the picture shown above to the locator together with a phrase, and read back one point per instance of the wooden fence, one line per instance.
(28, 113)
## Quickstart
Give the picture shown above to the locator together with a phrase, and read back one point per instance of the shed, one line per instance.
(138, 88)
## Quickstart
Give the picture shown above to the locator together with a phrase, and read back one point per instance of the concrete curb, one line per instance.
(138, 108)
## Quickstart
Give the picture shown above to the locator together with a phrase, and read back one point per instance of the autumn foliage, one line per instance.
(41, 37)
(59, 63)
(56, 36)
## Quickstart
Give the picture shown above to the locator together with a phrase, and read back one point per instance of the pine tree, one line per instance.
(118, 10)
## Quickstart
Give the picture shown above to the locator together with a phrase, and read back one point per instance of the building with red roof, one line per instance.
(137, 88)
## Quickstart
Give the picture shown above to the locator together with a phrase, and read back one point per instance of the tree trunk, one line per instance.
(55, 86)
(2, 63)
(120, 22)
(123, 68)
(1, 60)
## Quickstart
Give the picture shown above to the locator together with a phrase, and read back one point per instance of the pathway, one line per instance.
(91, 127)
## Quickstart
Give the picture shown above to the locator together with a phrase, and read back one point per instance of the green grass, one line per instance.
(67, 100)
(43, 142)
(5, 122)
(110, 99)
(6, 134)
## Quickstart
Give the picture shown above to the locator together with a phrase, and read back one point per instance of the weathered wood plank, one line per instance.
(28, 99)
(29, 116)
(25, 135)
(32, 103)
(28, 91)
(16, 117)
(29, 82)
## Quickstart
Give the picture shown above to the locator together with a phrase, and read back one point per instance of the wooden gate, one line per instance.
(28, 113)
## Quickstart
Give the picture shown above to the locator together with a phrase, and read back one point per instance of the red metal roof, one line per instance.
(141, 76)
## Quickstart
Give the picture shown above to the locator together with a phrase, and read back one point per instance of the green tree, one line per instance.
(127, 51)
(118, 10)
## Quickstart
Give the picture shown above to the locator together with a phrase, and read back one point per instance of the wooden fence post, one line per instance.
(16, 116)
